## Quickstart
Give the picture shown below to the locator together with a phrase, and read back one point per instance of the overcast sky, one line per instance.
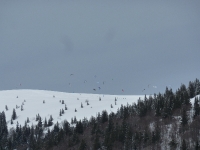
(112, 44)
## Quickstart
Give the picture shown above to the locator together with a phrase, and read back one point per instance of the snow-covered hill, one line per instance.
(32, 101)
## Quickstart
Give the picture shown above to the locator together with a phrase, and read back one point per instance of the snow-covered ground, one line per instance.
(33, 105)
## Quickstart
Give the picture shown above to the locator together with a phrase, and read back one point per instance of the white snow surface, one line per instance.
(34, 105)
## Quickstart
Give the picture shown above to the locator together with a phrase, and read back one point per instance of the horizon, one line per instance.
(118, 48)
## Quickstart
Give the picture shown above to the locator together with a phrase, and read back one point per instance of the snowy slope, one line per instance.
(34, 105)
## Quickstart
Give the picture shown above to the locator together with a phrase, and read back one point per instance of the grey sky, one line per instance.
(127, 45)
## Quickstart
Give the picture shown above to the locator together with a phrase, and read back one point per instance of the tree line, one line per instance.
(159, 120)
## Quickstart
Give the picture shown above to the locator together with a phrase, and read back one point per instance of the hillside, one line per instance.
(32, 103)
(60, 121)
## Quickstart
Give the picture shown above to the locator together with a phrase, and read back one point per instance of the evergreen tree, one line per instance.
(51, 118)
(183, 145)
(45, 122)
(3, 130)
(146, 136)
(81, 105)
(79, 127)
(14, 115)
(197, 146)
(37, 117)
(157, 131)
(22, 108)
(39, 124)
(197, 87)
(63, 102)
(56, 128)
(66, 128)
(96, 144)
(173, 143)
(75, 120)
(104, 116)
(184, 117)
(63, 111)
(6, 107)
(83, 145)
(32, 140)
(50, 121)
(28, 120)
(191, 89)
(125, 112)
(72, 121)
(60, 113)
(157, 108)
(153, 137)
(65, 107)
(196, 107)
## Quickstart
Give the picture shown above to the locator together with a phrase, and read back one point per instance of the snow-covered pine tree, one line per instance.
(65, 107)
